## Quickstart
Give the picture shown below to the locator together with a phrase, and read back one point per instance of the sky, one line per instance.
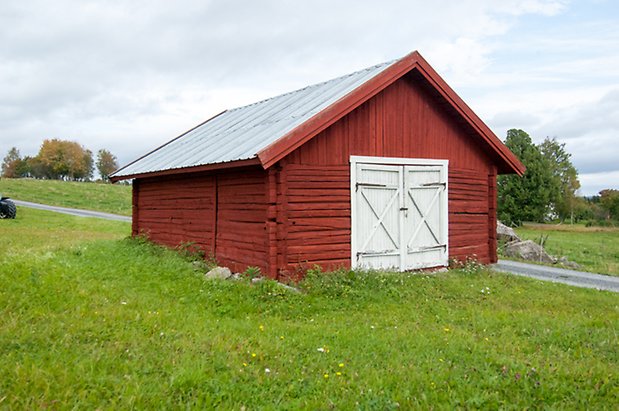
(128, 76)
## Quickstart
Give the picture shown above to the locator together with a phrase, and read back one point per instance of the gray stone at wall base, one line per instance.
(221, 273)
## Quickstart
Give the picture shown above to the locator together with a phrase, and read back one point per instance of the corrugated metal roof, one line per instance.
(240, 133)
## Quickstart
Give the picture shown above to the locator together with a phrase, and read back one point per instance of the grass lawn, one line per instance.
(103, 322)
(109, 198)
(596, 249)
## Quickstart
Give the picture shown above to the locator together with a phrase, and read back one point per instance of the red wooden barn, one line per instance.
(384, 167)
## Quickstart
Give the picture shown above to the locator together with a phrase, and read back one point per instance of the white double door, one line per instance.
(399, 213)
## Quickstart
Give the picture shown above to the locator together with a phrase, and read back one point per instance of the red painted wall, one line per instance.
(222, 212)
(241, 219)
(404, 120)
(176, 209)
(297, 214)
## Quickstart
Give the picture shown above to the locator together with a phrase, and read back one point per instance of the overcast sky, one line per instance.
(131, 75)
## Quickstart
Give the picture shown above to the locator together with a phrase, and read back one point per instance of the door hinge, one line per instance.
(428, 248)
(434, 185)
(357, 185)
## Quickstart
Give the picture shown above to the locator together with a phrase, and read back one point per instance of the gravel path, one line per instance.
(560, 275)
(73, 211)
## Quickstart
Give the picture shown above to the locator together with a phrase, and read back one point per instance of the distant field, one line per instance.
(37, 231)
(596, 249)
(109, 198)
(91, 320)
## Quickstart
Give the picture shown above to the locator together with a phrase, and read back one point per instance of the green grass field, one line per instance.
(596, 249)
(91, 320)
(109, 198)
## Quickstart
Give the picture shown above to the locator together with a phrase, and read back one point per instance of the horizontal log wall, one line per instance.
(468, 215)
(405, 120)
(223, 213)
(242, 219)
(318, 217)
(176, 210)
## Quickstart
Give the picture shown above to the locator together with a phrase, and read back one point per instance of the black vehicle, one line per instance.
(7, 208)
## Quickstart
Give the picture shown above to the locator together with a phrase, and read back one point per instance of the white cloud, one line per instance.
(130, 75)
(593, 183)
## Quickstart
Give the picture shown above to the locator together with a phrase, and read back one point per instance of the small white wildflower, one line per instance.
(321, 349)
(123, 302)
(267, 370)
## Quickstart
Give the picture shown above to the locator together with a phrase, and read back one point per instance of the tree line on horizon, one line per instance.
(59, 160)
(548, 189)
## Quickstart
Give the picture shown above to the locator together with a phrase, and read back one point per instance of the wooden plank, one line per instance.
(135, 209)
(250, 216)
(320, 185)
(271, 224)
(318, 199)
(317, 255)
(319, 235)
(344, 213)
(316, 240)
(468, 207)
(305, 192)
(319, 206)
(329, 222)
(492, 217)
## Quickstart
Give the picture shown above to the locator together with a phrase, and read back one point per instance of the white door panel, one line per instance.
(377, 194)
(399, 213)
(426, 222)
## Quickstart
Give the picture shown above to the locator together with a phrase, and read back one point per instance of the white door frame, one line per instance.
(354, 160)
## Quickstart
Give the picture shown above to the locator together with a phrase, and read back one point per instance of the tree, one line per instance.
(529, 198)
(12, 164)
(106, 163)
(609, 202)
(565, 175)
(64, 160)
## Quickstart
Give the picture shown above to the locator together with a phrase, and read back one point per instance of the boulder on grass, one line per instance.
(528, 250)
(505, 233)
(221, 273)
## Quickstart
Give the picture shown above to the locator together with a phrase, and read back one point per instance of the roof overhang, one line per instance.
(207, 167)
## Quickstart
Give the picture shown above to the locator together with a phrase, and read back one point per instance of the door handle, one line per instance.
(405, 209)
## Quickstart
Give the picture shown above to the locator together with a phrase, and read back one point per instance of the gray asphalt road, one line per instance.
(560, 275)
(73, 211)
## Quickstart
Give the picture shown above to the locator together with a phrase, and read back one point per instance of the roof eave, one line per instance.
(195, 169)
(114, 179)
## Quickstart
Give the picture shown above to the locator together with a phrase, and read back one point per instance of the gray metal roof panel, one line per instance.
(240, 133)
